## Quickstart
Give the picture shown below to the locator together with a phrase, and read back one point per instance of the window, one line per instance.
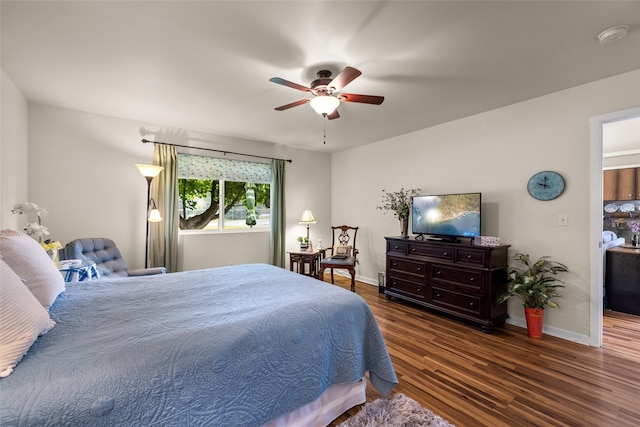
(221, 194)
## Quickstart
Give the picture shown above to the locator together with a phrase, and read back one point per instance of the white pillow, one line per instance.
(22, 319)
(342, 250)
(31, 263)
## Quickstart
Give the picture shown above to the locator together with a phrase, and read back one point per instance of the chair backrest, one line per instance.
(103, 252)
(345, 235)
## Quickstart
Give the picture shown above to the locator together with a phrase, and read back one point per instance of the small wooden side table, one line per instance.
(303, 258)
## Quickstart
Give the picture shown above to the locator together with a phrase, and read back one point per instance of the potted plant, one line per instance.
(304, 242)
(536, 285)
(399, 202)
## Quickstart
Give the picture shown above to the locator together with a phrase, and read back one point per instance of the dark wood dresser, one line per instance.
(455, 278)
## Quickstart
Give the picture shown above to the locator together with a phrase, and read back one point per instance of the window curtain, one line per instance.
(202, 167)
(278, 214)
(163, 235)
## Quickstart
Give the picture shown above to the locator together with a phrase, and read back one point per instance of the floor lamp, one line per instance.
(153, 215)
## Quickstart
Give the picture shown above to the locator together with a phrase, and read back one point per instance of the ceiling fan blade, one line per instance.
(293, 104)
(345, 77)
(289, 84)
(364, 99)
(333, 115)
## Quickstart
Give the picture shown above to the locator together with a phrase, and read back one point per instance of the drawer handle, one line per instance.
(418, 290)
(445, 253)
(438, 295)
(419, 269)
(438, 272)
(471, 279)
(413, 249)
(471, 304)
(396, 247)
(469, 256)
(395, 264)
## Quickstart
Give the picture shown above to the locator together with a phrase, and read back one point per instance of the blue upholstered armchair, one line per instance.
(107, 257)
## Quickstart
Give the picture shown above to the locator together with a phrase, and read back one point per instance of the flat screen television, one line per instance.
(446, 216)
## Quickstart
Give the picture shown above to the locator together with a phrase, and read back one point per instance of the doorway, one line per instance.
(596, 223)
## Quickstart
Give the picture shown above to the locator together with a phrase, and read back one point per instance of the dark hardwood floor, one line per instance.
(506, 379)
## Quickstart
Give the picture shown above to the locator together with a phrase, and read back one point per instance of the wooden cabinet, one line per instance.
(454, 278)
(622, 277)
(610, 184)
(621, 184)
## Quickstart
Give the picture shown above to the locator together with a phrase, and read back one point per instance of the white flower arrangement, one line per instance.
(33, 229)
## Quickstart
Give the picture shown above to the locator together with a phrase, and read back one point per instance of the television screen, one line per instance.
(447, 215)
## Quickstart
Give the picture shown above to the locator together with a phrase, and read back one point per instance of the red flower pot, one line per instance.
(535, 318)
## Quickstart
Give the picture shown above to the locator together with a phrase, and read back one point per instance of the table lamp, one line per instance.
(307, 218)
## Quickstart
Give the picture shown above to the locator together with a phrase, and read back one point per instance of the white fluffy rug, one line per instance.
(397, 411)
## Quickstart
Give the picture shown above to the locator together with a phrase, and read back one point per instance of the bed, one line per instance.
(241, 345)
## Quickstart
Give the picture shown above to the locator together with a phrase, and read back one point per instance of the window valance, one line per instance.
(203, 167)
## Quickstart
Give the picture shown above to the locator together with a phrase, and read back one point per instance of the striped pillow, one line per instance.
(22, 319)
(31, 263)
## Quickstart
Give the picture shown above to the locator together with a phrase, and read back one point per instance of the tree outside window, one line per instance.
(244, 204)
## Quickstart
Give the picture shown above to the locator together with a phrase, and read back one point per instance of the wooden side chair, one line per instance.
(344, 254)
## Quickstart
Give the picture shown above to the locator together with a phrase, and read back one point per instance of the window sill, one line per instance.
(230, 231)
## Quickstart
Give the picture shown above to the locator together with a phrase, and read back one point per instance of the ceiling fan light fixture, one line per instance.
(324, 105)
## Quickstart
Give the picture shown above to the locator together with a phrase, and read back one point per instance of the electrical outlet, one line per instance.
(563, 220)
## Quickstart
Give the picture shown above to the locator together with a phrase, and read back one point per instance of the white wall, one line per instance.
(495, 152)
(82, 169)
(14, 111)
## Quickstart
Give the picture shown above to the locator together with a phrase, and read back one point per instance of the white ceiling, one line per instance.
(621, 137)
(205, 65)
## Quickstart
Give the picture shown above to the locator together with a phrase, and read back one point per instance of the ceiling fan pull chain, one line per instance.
(324, 122)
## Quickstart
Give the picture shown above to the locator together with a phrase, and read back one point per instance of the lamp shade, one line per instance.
(149, 171)
(324, 104)
(154, 213)
(154, 216)
(307, 217)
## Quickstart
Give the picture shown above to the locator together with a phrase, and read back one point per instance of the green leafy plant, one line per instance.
(536, 284)
(398, 202)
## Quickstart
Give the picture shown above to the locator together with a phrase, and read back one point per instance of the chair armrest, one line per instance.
(147, 271)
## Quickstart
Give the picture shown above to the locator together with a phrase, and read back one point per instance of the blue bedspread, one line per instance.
(231, 346)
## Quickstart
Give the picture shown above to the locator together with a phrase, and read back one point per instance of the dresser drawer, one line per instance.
(459, 302)
(471, 257)
(406, 287)
(395, 247)
(445, 253)
(470, 279)
(406, 268)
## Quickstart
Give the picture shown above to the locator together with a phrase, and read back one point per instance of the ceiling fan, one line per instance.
(326, 92)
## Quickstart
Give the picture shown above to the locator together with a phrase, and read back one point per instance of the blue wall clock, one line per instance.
(545, 185)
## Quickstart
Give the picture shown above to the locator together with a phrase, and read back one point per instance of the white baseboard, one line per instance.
(362, 279)
(552, 331)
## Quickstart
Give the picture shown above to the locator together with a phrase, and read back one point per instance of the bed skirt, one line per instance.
(335, 401)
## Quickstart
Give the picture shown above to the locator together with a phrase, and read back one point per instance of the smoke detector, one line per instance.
(613, 34)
